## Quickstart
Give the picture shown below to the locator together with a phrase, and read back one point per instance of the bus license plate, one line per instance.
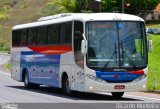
(119, 87)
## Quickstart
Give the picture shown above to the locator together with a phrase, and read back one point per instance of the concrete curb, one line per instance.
(5, 54)
(8, 70)
(153, 91)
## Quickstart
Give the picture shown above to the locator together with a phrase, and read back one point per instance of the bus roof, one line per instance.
(81, 17)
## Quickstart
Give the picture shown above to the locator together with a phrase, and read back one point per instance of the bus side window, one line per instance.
(66, 33)
(53, 34)
(23, 37)
(32, 36)
(42, 35)
(78, 30)
(15, 38)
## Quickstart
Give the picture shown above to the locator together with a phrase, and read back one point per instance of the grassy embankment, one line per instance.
(4, 9)
(154, 62)
(14, 12)
(8, 66)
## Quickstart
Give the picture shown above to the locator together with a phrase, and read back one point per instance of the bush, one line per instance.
(25, 4)
(152, 22)
(3, 17)
(51, 8)
(4, 46)
(8, 66)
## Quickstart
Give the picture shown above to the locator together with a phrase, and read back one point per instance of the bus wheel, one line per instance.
(65, 86)
(117, 94)
(26, 82)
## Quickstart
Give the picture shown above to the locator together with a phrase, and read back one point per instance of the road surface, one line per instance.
(4, 58)
(14, 92)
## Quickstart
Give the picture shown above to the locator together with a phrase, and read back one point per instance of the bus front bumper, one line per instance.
(96, 86)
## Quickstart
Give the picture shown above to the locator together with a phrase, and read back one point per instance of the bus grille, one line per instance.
(125, 81)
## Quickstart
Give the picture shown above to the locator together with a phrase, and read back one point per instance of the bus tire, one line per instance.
(65, 86)
(26, 81)
(117, 94)
(27, 84)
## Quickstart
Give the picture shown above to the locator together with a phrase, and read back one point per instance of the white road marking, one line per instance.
(5, 73)
(142, 97)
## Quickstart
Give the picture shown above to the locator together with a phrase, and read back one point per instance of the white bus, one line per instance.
(96, 52)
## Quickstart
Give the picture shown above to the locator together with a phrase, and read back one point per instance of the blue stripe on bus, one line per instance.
(117, 76)
(42, 69)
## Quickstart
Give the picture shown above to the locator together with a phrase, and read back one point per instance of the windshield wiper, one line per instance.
(124, 53)
(114, 53)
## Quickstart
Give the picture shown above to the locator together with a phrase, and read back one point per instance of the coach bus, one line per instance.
(85, 52)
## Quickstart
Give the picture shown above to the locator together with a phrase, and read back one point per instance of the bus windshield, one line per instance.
(116, 44)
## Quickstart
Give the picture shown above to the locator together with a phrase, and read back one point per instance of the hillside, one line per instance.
(13, 12)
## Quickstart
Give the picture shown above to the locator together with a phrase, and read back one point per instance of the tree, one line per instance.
(136, 7)
(66, 6)
(60, 6)
(110, 5)
(69, 5)
(130, 6)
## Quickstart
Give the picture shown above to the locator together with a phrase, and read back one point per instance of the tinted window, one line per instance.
(66, 33)
(23, 37)
(32, 36)
(53, 34)
(42, 35)
(15, 38)
(78, 30)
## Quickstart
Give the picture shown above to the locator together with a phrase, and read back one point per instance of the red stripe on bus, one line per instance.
(140, 72)
(51, 49)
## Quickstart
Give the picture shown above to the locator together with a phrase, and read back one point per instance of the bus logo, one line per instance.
(120, 70)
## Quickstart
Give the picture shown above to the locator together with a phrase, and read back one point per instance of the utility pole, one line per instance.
(123, 6)
(145, 9)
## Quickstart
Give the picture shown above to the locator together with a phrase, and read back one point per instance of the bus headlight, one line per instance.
(95, 78)
(140, 78)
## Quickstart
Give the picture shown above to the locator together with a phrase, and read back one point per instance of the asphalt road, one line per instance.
(14, 92)
(4, 58)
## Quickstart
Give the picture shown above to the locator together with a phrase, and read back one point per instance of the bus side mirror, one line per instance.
(150, 45)
(84, 47)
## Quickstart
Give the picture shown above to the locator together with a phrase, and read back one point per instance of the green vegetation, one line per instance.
(4, 46)
(4, 9)
(60, 6)
(8, 66)
(25, 4)
(3, 17)
(130, 6)
(154, 63)
(46, 10)
(14, 12)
